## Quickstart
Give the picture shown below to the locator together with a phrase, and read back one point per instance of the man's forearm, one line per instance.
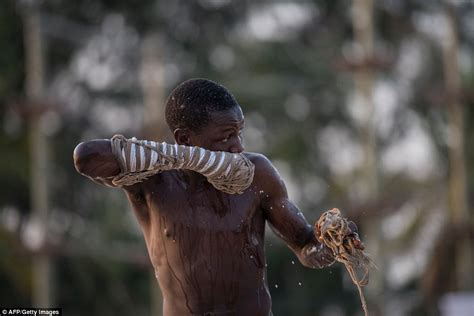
(139, 159)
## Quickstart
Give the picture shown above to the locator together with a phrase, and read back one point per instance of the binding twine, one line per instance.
(333, 230)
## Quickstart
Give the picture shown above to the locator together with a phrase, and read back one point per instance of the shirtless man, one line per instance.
(207, 246)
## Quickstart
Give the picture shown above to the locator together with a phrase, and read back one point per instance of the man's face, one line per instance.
(223, 133)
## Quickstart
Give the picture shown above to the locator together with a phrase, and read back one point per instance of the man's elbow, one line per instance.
(76, 156)
(94, 159)
(81, 158)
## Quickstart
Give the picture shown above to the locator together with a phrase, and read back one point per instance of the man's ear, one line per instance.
(181, 135)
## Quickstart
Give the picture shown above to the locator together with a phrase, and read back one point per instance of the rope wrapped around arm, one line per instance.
(140, 159)
(333, 230)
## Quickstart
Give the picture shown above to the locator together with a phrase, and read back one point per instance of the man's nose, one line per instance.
(237, 147)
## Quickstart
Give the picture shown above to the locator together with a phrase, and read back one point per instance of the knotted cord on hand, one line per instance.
(334, 231)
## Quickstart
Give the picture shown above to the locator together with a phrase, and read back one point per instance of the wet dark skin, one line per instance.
(206, 246)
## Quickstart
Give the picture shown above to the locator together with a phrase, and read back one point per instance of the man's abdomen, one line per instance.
(211, 271)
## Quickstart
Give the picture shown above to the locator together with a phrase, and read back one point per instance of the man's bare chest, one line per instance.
(200, 206)
(189, 225)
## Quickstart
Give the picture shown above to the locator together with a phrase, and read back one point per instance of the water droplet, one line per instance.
(266, 195)
(266, 265)
(299, 283)
(330, 272)
(261, 191)
(276, 286)
(251, 257)
(292, 262)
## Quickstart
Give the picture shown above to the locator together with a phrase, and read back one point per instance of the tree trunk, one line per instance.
(457, 200)
(362, 21)
(41, 266)
(152, 82)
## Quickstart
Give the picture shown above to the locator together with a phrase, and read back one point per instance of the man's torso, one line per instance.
(206, 246)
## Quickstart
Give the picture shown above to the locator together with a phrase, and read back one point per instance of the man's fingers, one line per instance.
(357, 243)
(353, 227)
(354, 235)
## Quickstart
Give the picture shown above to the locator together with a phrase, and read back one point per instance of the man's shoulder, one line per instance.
(266, 176)
(263, 166)
(259, 160)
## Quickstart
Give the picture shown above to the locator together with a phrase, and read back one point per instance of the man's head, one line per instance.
(203, 113)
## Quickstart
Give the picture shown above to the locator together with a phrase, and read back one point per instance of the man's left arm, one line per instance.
(286, 219)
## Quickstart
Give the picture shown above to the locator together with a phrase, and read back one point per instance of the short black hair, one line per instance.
(190, 103)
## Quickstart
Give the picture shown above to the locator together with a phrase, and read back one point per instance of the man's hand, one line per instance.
(342, 236)
(354, 234)
(324, 227)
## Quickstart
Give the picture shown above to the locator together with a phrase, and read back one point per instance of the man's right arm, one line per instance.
(95, 160)
(124, 162)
